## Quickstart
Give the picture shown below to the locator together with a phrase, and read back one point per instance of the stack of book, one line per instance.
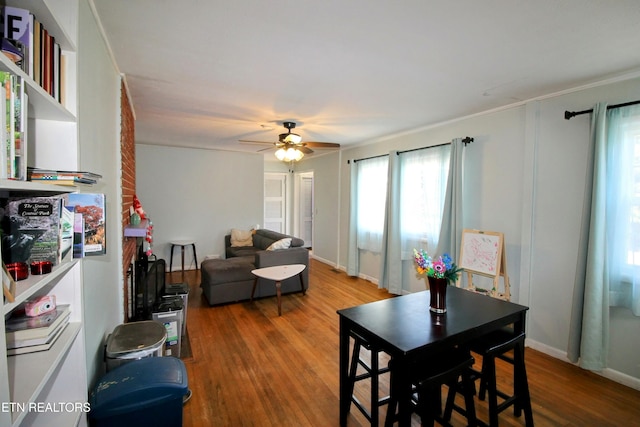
(57, 177)
(31, 334)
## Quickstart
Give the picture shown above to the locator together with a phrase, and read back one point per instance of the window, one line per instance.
(623, 206)
(633, 162)
(423, 177)
(371, 197)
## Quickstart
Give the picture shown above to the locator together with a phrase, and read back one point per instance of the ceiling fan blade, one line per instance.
(265, 149)
(321, 144)
(305, 150)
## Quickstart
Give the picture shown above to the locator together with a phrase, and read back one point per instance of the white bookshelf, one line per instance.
(58, 375)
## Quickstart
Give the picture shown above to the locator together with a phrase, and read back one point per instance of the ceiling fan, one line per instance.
(290, 146)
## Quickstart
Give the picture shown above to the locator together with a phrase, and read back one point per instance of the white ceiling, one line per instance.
(206, 73)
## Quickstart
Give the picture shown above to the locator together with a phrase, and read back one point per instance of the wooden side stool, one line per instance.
(182, 244)
(445, 369)
(496, 345)
(372, 372)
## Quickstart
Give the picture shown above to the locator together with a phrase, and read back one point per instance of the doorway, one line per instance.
(275, 202)
(304, 207)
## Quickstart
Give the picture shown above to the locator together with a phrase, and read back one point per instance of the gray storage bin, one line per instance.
(179, 290)
(134, 341)
(169, 314)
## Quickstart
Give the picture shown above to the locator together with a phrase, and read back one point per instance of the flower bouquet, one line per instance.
(439, 273)
(442, 268)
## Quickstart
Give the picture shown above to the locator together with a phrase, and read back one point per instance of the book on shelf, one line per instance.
(66, 233)
(17, 27)
(14, 127)
(3, 130)
(37, 40)
(33, 230)
(53, 331)
(45, 67)
(20, 132)
(78, 235)
(55, 85)
(20, 327)
(8, 124)
(92, 208)
(46, 345)
(64, 181)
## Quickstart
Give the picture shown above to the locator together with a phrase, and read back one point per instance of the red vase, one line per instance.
(438, 292)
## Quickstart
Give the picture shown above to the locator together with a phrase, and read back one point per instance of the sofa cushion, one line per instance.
(280, 244)
(242, 251)
(263, 238)
(219, 271)
(241, 238)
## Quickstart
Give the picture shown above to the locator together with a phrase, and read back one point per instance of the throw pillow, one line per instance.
(241, 238)
(280, 244)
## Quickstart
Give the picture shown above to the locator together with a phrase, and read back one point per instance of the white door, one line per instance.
(305, 208)
(275, 201)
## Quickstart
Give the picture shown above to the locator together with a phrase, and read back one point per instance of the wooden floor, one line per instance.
(250, 367)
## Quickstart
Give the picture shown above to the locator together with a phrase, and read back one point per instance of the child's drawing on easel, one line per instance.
(483, 253)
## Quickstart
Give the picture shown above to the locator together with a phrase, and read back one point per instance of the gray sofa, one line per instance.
(230, 280)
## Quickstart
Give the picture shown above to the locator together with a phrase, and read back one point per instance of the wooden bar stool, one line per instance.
(372, 371)
(445, 369)
(182, 244)
(492, 346)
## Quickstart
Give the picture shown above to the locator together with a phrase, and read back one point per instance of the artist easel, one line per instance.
(483, 253)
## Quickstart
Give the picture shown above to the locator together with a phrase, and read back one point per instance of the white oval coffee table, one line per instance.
(278, 273)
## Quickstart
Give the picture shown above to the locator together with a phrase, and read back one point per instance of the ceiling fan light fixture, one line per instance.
(292, 138)
(290, 154)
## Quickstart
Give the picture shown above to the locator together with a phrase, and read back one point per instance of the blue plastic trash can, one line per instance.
(145, 392)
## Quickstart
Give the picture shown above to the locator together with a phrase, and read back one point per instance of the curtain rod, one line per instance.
(569, 114)
(367, 158)
(466, 140)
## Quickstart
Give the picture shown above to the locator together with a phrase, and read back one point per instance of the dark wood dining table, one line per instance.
(408, 331)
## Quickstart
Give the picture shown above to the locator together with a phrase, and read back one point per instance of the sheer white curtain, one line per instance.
(371, 197)
(367, 206)
(423, 177)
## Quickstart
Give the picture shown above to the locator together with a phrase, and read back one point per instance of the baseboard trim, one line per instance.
(325, 261)
(343, 269)
(608, 373)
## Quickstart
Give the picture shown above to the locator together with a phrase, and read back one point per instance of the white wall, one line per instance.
(525, 177)
(99, 151)
(199, 195)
